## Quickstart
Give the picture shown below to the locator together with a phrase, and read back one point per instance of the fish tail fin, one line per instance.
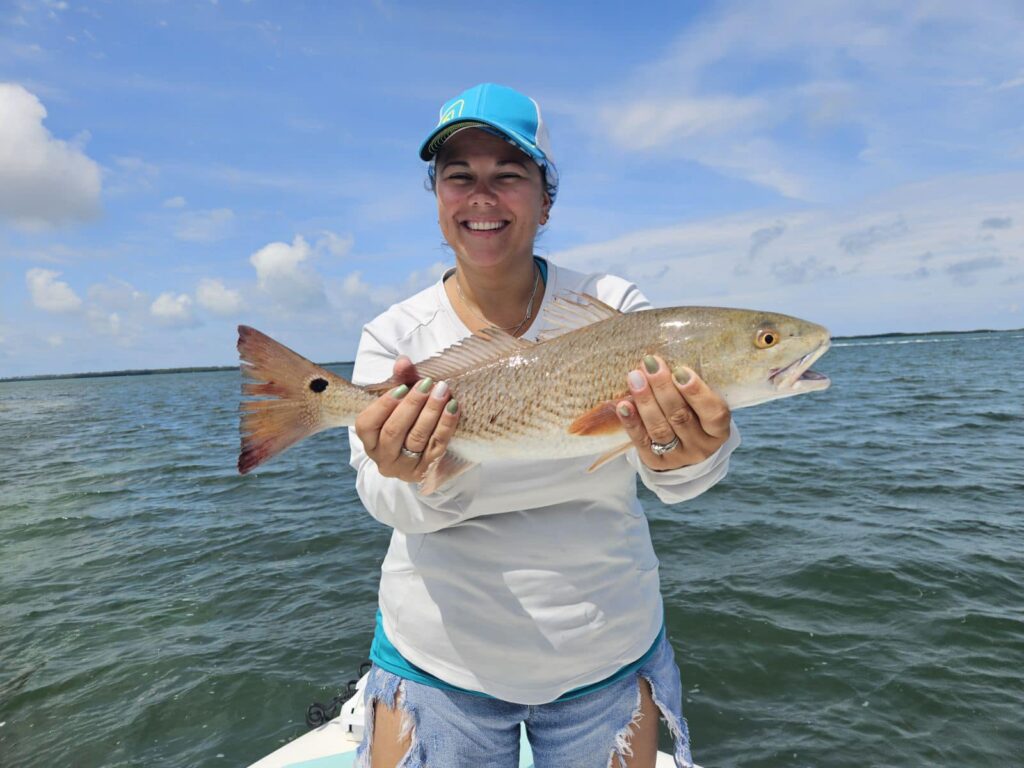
(299, 398)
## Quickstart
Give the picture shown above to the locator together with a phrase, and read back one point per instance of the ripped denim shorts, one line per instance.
(452, 729)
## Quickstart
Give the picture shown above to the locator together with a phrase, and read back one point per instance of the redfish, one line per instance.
(552, 398)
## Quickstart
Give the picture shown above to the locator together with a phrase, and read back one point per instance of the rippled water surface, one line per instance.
(851, 595)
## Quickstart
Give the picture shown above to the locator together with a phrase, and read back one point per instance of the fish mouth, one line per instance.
(798, 376)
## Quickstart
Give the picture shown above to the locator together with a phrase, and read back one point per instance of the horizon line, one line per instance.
(220, 368)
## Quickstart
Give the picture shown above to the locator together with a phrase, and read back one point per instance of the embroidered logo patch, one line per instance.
(451, 111)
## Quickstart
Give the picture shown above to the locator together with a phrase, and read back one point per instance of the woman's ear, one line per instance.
(545, 210)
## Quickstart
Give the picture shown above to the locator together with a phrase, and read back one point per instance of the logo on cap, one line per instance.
(452, 111)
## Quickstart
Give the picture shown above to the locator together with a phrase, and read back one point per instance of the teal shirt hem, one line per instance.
(387, 657)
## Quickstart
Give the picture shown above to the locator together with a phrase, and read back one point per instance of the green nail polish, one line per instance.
(425, 385)
(399, 392)
(452, 406)
(624, 411)
(681, 375)
(651, 364)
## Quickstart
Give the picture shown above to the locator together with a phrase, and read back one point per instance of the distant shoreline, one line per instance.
(216, 368)
(139, 372)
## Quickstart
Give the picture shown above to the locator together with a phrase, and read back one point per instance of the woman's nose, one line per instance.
(482, 193)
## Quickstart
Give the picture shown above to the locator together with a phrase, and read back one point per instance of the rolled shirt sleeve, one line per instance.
(676, 485)
(390, 500)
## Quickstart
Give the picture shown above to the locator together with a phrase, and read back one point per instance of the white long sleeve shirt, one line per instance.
(522, 580)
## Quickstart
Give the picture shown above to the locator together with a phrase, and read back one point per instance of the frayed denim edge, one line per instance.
(391, 695)
(622, 748)
(681, 742)
(679, 730)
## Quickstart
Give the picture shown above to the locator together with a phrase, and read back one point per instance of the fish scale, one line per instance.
(554, 398)
(565, 377)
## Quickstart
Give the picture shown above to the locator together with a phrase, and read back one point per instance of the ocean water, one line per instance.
(851, 595)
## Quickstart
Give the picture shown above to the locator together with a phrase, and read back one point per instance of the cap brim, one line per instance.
(435, 140)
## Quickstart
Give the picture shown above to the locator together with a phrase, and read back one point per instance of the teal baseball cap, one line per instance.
(502, 110)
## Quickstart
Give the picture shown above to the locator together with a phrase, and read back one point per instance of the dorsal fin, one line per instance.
(483, 347)
(571, 310)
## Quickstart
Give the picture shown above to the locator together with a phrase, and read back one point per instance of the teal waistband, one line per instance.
(386, 656)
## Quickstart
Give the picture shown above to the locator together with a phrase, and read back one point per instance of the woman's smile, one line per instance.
(488, 227)
(490, 198)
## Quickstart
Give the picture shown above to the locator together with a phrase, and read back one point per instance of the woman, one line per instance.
(517, 591)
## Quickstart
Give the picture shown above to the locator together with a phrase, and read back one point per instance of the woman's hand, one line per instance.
(420, 418)
(673, 406)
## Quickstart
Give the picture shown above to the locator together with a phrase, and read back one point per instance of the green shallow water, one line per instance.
(851, 595)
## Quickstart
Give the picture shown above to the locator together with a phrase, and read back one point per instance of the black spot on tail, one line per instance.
(318, 385)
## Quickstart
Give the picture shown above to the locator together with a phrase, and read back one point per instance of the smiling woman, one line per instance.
(517, 594)
(490, 202)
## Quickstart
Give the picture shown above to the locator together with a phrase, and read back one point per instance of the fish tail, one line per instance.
(298, 398)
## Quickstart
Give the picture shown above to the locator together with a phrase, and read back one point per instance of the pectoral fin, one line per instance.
(608, 456)
(447, 467)
(599, 420)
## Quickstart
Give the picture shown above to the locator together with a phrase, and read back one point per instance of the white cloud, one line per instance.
(334, 244)
(106, 323)
(55, 340)
(119, 310)
(1015, 82)
(136, 166)
(284, 273)
(794, 94)
(43, 181)
(353, 285)
(174, 202)
(117, 294)
(847, 266)
(732, 135)
(359, 300)
(648, 123)
(867, 238)
(50, 294)
(171, 309)
(130, 176)
(214, 296)
(205, 226)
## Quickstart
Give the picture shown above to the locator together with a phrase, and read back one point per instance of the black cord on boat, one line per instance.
(317, 714)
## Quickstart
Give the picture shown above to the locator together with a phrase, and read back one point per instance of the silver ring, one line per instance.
(411, 454)
(660, 449)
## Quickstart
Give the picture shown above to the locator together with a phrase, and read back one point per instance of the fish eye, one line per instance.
(767, 337)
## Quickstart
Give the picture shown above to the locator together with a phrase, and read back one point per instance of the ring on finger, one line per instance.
(660, 449)
(415, 454)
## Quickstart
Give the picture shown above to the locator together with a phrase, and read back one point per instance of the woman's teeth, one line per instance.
(481, 226)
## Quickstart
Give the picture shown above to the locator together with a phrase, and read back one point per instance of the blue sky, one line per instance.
(171, 169)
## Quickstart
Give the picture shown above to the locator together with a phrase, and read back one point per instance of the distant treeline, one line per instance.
(926, 333)
(209, 368)
(138, 372)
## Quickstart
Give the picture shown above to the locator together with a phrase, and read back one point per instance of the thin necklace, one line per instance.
(529, 304)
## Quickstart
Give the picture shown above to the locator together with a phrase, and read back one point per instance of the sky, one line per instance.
(169, 170)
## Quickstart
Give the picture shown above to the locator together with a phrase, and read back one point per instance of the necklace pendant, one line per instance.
(512, 329)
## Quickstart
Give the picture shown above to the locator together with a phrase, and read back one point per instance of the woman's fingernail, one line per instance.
(399, 392)
(452, 406)
(682, 376)
(624, 411)
(636, 380)
(651, 364)
(425, 385)
(440, 390)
